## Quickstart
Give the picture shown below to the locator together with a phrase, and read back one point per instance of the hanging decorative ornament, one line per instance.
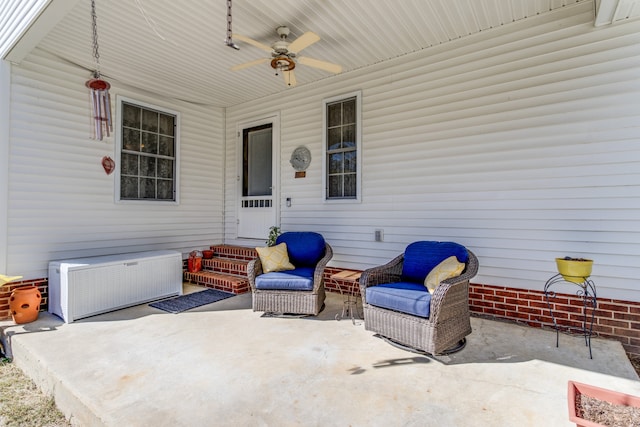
(99, 89)
(108, 164)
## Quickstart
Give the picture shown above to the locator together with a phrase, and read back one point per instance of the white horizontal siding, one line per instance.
(61, 202)
(14, 16)
(520, 143)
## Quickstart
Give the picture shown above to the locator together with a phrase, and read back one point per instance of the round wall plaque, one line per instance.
(300, 158)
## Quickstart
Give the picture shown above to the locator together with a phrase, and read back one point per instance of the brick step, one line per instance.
(221, 281)
(228, 266)
(234, 252)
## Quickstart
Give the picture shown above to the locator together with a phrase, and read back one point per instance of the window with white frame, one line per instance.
(148, 142)
(342, 142)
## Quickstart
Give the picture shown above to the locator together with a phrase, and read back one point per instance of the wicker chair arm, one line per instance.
(387, 273)
(254, 269)
(318, 274)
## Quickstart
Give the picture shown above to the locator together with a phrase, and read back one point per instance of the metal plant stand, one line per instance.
(350, 295)
(587, 292)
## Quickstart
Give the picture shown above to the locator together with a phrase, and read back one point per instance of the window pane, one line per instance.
(350, 185)
(129, 187)
(350, 161)
(334, 114)
(150, 120)
(349, 112)
(147, 188)
(335, 163)
(165, 189)
(130, 140)
(130, 116)
(149, 143)
(334, 137)
(335, 186)
(166, 145)
(165, 169)
(349, 136)
(147, 166)
(166, 125)
(129, 164)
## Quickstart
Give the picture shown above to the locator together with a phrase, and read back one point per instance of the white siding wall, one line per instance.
(14, 15)
(61, 202)
(520, 143)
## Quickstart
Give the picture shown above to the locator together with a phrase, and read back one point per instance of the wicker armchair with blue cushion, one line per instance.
(290, 282)
(420, 299)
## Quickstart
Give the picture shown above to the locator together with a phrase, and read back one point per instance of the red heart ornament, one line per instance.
(108, 164)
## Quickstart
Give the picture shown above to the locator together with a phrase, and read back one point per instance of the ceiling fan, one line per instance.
(284, 54)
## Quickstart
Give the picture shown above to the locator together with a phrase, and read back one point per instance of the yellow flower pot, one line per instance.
(575, 270)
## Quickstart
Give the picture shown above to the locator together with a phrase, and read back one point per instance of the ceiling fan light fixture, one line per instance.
(282, 63)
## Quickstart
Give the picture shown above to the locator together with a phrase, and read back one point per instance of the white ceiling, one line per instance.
(177, 48)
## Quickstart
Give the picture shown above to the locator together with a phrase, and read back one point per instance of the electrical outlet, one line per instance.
(379, 235)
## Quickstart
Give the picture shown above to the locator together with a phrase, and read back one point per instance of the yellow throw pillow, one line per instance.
(447, 269)
(275, 258)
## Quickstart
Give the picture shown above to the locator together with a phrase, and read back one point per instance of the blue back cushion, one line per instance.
(305, 248)
(421, 257)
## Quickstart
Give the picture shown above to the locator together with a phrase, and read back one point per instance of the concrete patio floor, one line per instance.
(224, 365)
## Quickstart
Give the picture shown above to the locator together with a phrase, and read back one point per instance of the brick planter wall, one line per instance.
(619, 320)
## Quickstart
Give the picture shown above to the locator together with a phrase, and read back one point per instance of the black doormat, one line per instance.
(189, 301)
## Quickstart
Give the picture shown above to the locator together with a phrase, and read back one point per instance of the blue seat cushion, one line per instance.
(406, 297)
(300, 279)
(421, 257)
(305, 248)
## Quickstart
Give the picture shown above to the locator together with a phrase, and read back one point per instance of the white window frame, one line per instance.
(358, 96)
(118, 148)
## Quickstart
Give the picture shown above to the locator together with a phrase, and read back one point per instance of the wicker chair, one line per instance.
(448, 321)
(309, 265)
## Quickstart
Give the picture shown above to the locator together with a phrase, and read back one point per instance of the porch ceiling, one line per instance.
(176, 48)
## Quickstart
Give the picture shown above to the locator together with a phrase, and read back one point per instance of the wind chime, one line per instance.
(99, 90)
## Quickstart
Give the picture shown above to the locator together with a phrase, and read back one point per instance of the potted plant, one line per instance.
(591, 406)
(24, 302)
(575, 270)
(274, 232)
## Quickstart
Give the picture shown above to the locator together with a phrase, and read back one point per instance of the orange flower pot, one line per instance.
(195, 264)
(24, 304)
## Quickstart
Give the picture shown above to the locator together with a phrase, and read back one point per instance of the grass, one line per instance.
(22, 404)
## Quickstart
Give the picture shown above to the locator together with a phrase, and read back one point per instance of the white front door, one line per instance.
(256, 210)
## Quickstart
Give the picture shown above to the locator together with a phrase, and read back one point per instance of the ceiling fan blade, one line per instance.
(289, 78)
(304, 41)
(251, 42)
(323, 65)
(249, 64)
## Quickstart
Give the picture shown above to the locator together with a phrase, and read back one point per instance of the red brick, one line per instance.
(517, 315)
(509, 307)
(541, 305)
(627, 316)
(507, 294)
(613, 323)
(494, 312)
(493, 298)
(603, 329)
(620, 332)
(618, 308)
